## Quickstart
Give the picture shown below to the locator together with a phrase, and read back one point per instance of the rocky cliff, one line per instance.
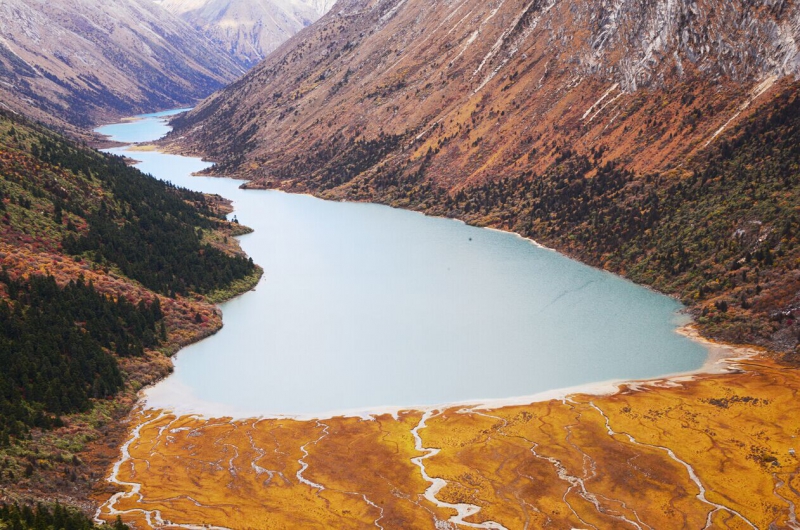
(654, 139)
(80, 62)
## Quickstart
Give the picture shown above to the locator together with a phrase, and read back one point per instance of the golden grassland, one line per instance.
(708, 451)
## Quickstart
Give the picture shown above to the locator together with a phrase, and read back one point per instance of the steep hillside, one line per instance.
(248, 29)
(486, 84)
(80, 62)
(651, 138)
(105, 272)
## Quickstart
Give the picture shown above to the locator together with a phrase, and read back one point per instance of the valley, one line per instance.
(75, 64)
(339, 278)
(508, 264)
(655, 141)
(248, 30)
(689, 443)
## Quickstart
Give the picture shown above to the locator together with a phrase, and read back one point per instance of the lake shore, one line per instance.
(669, 437)
(560, 457)
(722, 359)
(717, 360)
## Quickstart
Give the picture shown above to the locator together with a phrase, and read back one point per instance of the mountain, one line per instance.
(248, 29)
(654, 139)
(80, 62)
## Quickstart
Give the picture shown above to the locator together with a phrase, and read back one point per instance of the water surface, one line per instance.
(364, 306)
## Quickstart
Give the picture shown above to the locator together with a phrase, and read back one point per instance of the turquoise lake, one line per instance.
(363, 307)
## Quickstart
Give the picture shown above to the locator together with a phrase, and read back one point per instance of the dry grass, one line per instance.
(557, 463)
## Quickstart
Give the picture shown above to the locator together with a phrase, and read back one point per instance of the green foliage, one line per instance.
(159, 249)
(341, 159)
(15, 517)
(54, 348)
(236, 288)
(151, 229)
(57, 344)
(60, 339)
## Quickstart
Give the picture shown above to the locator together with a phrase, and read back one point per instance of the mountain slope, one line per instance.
(83, 325)
(248, 29)
(574, 123)
(81, 62)
(591, 73)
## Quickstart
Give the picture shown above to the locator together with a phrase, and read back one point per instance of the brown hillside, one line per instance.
(78, 63)
(655, 139)
(487, 84)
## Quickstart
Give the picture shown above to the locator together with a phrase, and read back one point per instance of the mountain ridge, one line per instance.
(601, 86)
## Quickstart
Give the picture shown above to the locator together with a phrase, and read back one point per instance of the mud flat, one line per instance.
(702, 451)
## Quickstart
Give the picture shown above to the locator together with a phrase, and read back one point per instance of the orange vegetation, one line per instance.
(25, 260)
(710, 451)
(41, 203)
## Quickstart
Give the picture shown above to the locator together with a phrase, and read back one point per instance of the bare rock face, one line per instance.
(482, 85)
(79, 62)
(741, 41)
(321, 6)
(248, 29)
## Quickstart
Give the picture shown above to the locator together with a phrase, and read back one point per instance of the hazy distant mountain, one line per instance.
(248, 29)
(82, 61)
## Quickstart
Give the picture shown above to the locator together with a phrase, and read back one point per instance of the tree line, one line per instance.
(151, 229)
(41, 517)
(55, 344)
